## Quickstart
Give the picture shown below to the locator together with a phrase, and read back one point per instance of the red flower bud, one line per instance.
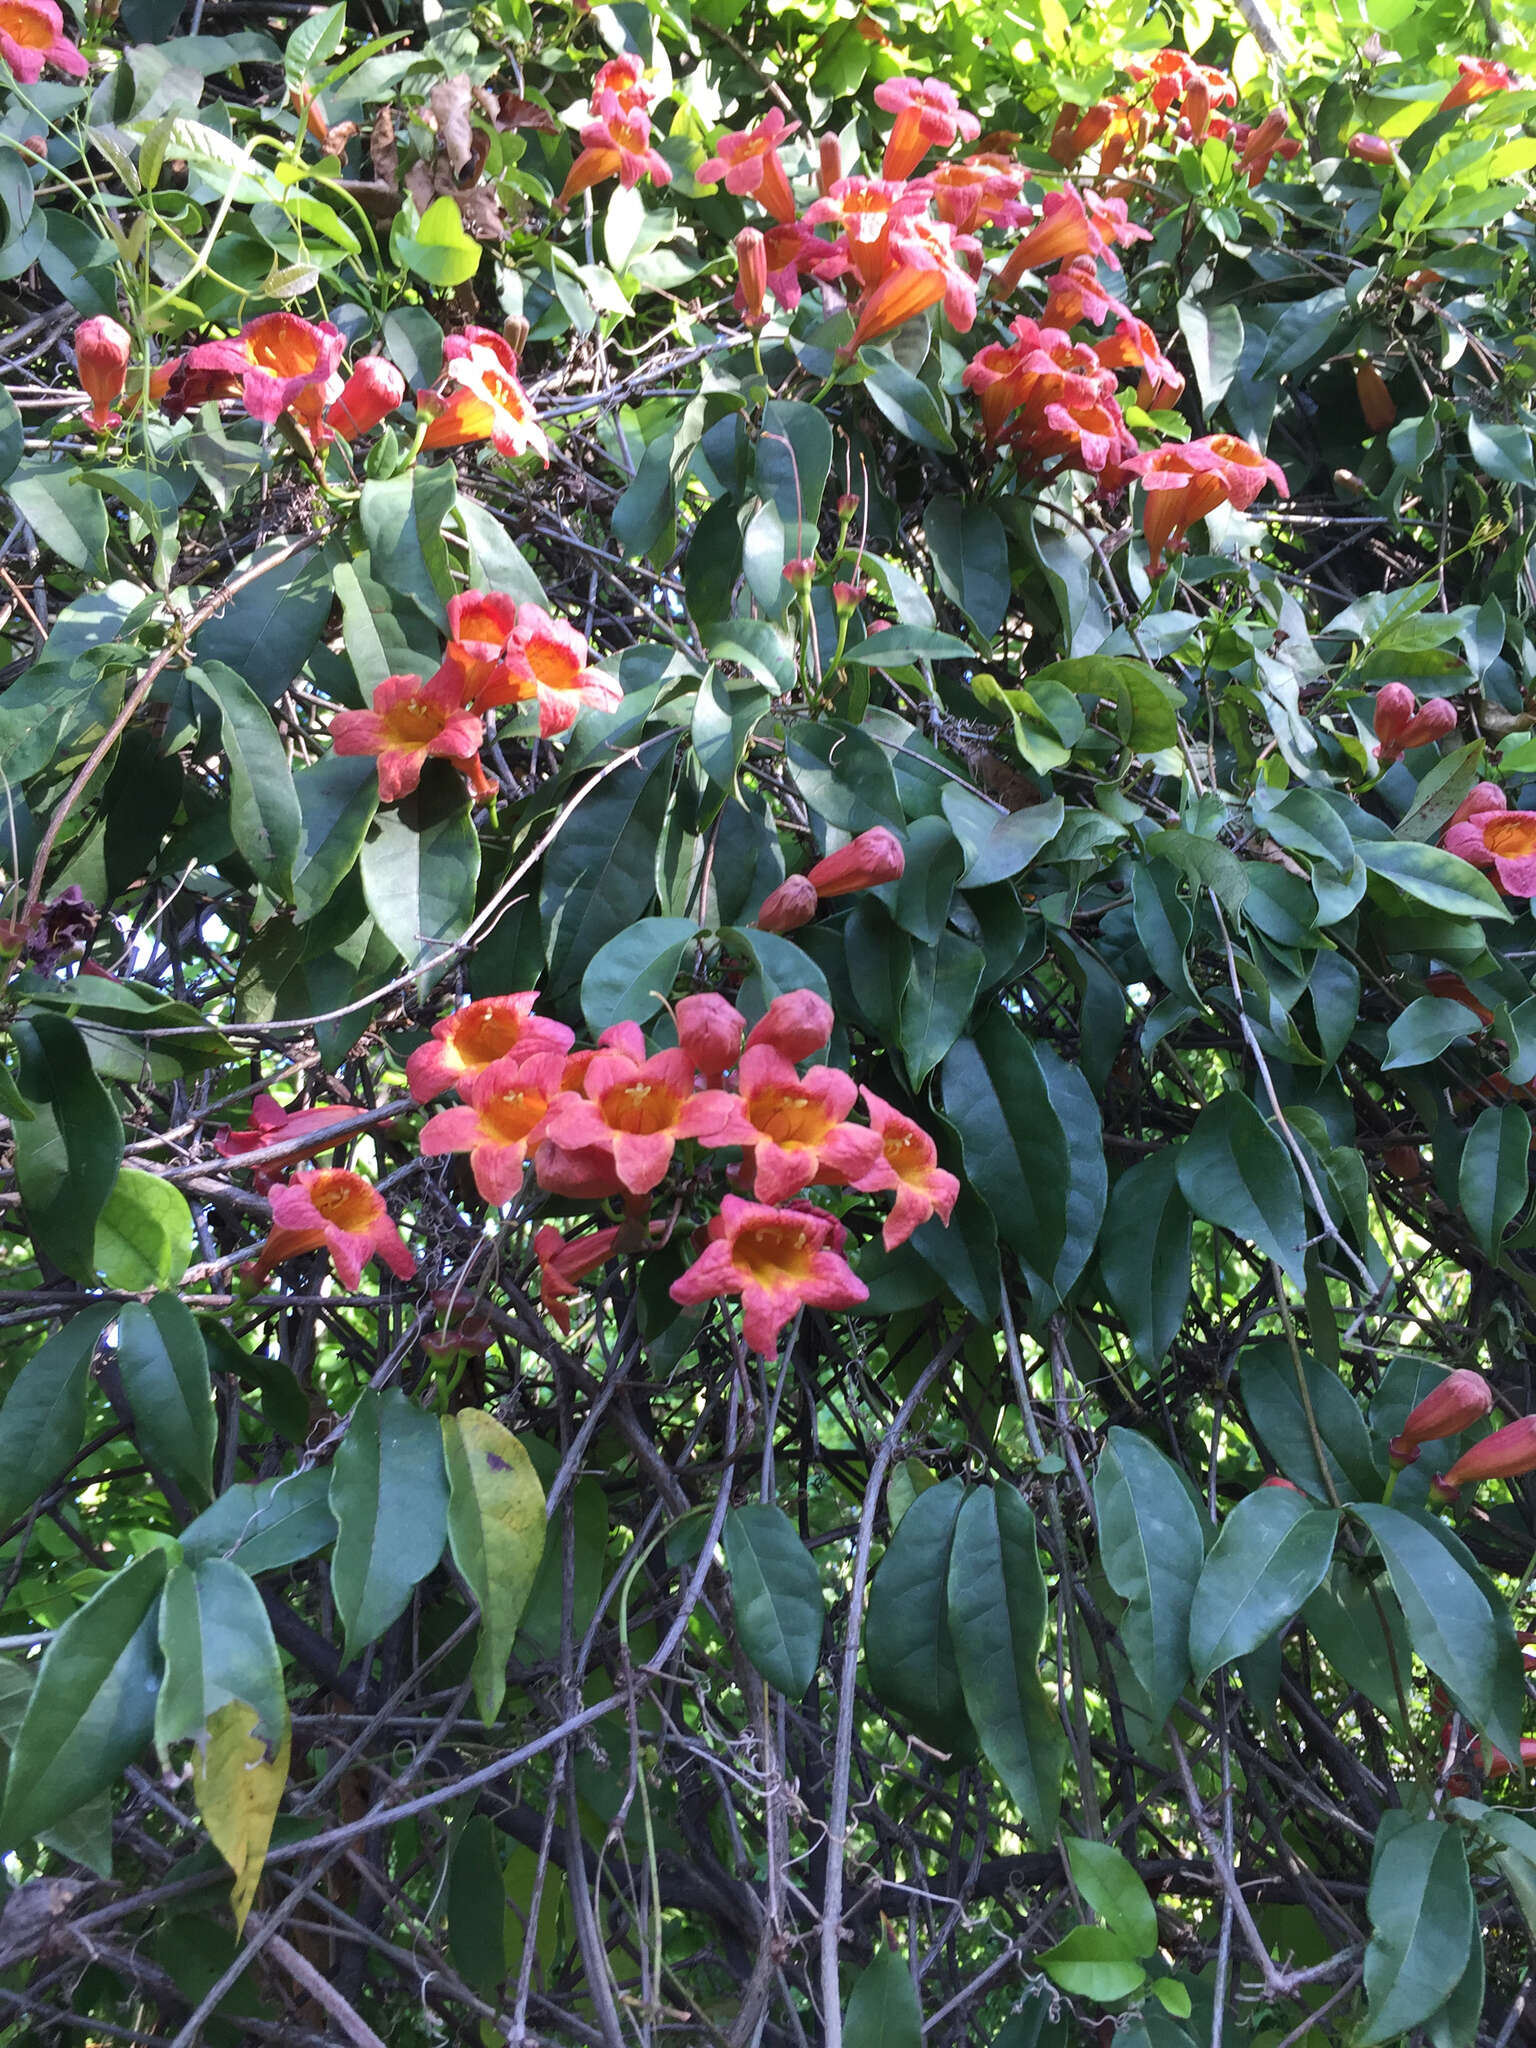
(1274, 1479)
(709, 1029)
(791, 905)
(1402, 722)
(1376, 402)
(1461, 1399)
(1370, 149)
(1504, 1455)
(369, 395)
(797, 1023)
(864, 863)
(102, 348)
(831, 163)
(752, 265)
(800, 574)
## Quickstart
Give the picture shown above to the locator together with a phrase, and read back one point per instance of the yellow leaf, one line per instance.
(237, 1787)
(496, 1531)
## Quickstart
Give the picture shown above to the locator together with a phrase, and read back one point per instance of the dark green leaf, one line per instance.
(1433, 876)
(93, 1707)
(883, 2010)
(1359, 1628)
(1495, 1173)
(403, 518)
(477, 1907)
(1016, 1152)
(1424, 1030)
(43, 1419)
(790, 468)
(1423, 1925)
(1273, 1551)
(777, 1595)
(272, 1523)
(997, 1617)
(1272, 1395)
(66, 513)
(907, 1646)
(218, 1647)
(268, 630)
(144, 1232)
(970, 558)
(1235, 1172)
(263, 807)
(389, 1494)
(599, 877)
(1153, 1550)
(338, 797)
(164, 1366)
(632, 976)
(936, 1002)
(1144, 1253)
(67, 1156)
(419, 867)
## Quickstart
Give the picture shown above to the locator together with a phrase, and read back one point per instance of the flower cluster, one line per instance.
(279, 364)
(500, 652)
(607, 1122)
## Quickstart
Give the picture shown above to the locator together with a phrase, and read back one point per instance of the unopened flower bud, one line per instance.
(1370, 149)
(1197, 108)
(831, 163)
(752, 268)
(847, 506)
(800, 574)
(797, 1023)
(1402, 722)
(876, 856)
(369, 396)
(1506, 1454)
(789, 906)
(710, 1031)
(1376, 404)
(102, 348)
(1274, 1480)
(1462, 1398)
(514, 332)
(847, 597)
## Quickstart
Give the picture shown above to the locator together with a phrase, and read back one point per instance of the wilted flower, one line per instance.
(102, 349)
(778, 1261)
(1401, 722)
(271, 1124)
(1461, 1399)
(1505, 1454)
(565, 1260)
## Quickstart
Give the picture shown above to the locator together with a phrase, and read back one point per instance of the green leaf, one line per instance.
(93, 1707)
(1273, 1551)
(1214, 338)
(67, 514)
(779, 966)
(1359, 1628)
(496, 1531)
(12, 439)
(419, 867)
(403, 518)
(438, 248)
(268, 630)
(936, 1002)
(970, 558)
(338, 798)
(1272, 1396)
(907, 1646)
(144, 1232)
(1144, 1254)
(791, 464)
(1433, 876)
(1494, 1176)
(998, 844)
(477, 1906)
(883, 2009)
(1153, 1550)
(777, 1595)
(311, 46)
(164, 1368)
(67, 1156)
(86, 1835)
(1235, 1172)
(263, 807)
(266, 1525)
(1502, 452)
(1458, 1623)
(632, 976)
(997, 1618)
(1087, 1175)
(1422, 1032)
(1016, 1153)
(389, 1494)
(1109, 1884)
(599, 877)
(1423, 1925)
(1093, 1962)
(901, 645)
(43, 1420)
(218, 1646)
(912, 409)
